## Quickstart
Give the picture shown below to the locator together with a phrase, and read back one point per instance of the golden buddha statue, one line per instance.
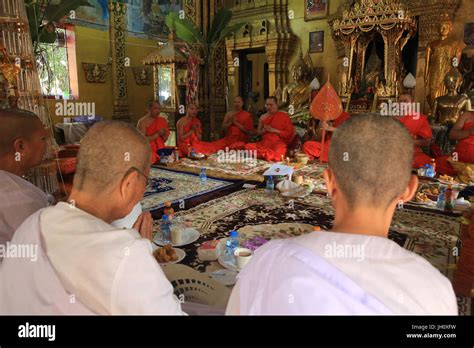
(449, 107)
(373, 69)
(439, 59)
(298, 92)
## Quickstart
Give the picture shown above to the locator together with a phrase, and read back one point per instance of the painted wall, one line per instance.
(92, 46)
(301, 29)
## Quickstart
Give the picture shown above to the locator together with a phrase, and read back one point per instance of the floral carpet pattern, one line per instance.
(169, 186)
(435, 237)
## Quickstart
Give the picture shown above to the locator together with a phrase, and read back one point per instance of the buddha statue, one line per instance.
(439, 60)
(298, 92)
(449, 107)
(373, 70)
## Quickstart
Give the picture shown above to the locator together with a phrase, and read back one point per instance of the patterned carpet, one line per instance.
(433, 236)
(167, 185)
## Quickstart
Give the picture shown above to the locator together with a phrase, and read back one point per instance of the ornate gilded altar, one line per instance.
(356, 27)
(169, 77)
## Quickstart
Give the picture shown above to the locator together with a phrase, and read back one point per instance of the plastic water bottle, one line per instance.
(270, 184)
(202, 176)
(429, 171)
(176, 154)
(231, 244)
(165, 227)
(440, 202)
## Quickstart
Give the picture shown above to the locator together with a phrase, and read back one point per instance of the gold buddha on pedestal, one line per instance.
(298, 92)
(449, 107)
(440, 55)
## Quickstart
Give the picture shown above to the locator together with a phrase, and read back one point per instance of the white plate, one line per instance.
(190, 235)
(179, 252)
(224, 276)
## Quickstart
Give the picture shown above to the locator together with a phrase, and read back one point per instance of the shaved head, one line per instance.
(108, 150)
(14, 124)
(406, 98)
(371, 157)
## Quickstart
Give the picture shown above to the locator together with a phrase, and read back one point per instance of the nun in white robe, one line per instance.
(308, 275)
(85, 266)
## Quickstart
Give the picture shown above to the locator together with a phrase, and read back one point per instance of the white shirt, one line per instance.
(18, 200)
(108, 270)
(339, 273)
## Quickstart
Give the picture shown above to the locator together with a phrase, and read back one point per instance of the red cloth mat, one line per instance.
(67, 165)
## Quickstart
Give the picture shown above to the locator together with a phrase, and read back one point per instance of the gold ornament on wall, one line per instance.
(95, 73)
(142, 75)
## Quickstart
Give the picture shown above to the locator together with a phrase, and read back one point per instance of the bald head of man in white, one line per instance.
(22, 146)
(108, 269)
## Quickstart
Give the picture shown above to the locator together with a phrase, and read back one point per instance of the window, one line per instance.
(56, 64)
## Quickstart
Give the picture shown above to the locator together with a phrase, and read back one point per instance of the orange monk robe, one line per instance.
(193, 140)
(158, 143)
(419, 127)
(313, 148)
(464, 150)
(273, 146)
(234, 135)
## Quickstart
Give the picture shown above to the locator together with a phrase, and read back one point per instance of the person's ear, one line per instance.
(19, 145)
(410, 190)
(127, 184)
(328, 176)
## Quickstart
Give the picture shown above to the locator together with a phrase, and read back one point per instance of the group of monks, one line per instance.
(75, 261)
(277, 132)
(274, 127)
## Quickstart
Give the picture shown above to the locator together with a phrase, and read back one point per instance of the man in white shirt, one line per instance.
(83, 264)
(22, 146)
(354, 268)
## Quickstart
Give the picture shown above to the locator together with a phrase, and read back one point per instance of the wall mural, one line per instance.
(143, 16)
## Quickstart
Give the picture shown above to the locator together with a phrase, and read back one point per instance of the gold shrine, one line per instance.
(356, 27)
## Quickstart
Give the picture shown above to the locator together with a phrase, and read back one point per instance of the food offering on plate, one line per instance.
(432, 192)
(209, 250)
(422, 198)
(165, 254)
(446, 179)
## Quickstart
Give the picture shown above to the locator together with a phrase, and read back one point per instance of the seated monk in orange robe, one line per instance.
(237, 126)
(419, 127)
(277, 132)
(190, 133)
(155, 128)
(313, 148)
(463, 130)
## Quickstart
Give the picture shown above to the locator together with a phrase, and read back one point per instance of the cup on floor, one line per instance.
(242, 257)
